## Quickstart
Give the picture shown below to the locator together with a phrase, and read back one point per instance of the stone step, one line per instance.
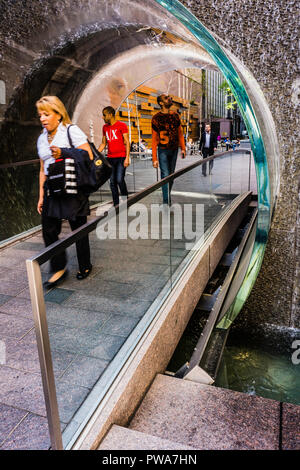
(207, 417)
(119, 438)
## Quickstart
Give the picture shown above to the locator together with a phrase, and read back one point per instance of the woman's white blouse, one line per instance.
(61, 140)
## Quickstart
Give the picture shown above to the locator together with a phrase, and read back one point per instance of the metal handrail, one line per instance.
(23, 163)
(37, 160)
(38, 301)
(85, 229)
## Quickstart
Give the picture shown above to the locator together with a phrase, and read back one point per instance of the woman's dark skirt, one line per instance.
(75, 209)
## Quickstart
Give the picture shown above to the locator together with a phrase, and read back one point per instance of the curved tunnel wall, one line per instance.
(125, 72)
(65, 62)
(132, 68)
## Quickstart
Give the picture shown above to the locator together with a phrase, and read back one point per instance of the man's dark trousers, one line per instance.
(117, 179)
(167, 162)
(205, 153)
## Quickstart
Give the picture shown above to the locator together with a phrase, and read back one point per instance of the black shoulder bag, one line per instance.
(103, 168)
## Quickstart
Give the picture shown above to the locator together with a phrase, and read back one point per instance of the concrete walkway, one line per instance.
(90, 320)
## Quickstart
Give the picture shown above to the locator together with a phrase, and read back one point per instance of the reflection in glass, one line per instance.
(19, 196)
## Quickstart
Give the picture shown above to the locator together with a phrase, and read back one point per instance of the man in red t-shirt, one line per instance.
(115, 137)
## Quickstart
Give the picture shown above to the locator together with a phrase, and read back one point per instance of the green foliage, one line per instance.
(231, 104)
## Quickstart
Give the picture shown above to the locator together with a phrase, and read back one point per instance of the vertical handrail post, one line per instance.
(43, 344)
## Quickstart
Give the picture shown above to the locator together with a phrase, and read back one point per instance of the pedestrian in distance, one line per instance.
(208, 145)
(167, 137)
(115, 137)
(227, 143)
(53, 209)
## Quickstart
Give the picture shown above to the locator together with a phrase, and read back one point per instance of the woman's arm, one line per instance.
(88, 149)
(56, 151)
(76, 136)
(181, 141)
(42, 179)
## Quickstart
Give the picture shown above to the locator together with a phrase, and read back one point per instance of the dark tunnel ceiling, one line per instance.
(66, 71)
(69, 68)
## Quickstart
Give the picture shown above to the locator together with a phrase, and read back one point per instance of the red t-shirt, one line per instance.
(114, 138)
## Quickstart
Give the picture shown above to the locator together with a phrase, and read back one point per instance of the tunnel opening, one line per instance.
(96, 63)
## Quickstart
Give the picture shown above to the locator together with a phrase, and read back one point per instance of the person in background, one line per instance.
(227, 143)
(190, 146)
(73, 207)
(115, 137)
(143, 145)
(167, 137)
(134, 147)
(208, 145)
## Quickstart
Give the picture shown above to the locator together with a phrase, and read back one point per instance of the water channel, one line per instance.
(245, 368)
(249, 365)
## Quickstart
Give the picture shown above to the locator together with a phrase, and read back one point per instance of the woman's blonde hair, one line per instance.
(52, 103)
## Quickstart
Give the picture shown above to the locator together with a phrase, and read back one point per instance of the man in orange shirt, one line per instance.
(167, 136)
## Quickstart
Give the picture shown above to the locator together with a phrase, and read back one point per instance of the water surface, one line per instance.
(256, 372)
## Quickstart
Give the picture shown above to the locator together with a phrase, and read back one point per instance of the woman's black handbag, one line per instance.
(102, 165)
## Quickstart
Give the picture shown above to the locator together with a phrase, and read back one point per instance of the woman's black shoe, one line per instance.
(83, 274)
(49, 284)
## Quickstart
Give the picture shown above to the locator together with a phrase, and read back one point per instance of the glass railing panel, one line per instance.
(93, 323)
(225, 183)
(190, 216)
(138, 253)
(198, 203)
(140, 173)
(252, 175)
(101, 196)
(241, 169)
